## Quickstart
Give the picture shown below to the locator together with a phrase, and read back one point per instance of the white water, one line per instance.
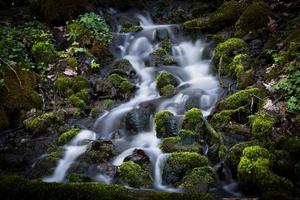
(192, 71)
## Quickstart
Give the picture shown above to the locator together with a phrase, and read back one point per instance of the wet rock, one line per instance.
(137, 121)
(166, 124)
(123, 68)
(180, 164)
(103, 87)
(124, 88)
(164, 83)
(99, 151)
(162, 34)
(131, 28)
(160, 57)
(139, 157)
(193, 120)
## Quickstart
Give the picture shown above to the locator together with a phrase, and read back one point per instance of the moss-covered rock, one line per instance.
(134, 175)
(122, 85)
(253, 18)
(131, 28)
(19, 94)
(164, 79)
(160, 57)
(165, 124)
(44, 52)
(137, 121)
(76, 101)
(186, 141)
(168, 90)
(200, 179)
(227, 14)
(41, 122)
(62, 84)
(255, 173)
(240, 98)
(262, 124)
(67, 136)
(166, 44)
(78, 178)
(123, 68)
(179, 164)
(225, 52)
(193, 120)
(79, 83)
(99, 151)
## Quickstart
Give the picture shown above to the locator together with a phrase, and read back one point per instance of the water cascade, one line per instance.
(192, 69)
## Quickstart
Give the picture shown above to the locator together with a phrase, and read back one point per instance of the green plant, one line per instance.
(94, 64)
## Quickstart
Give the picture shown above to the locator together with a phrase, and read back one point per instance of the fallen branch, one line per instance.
(216, 135)
(13, 70)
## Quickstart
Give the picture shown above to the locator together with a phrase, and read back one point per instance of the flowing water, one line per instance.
(196, 81)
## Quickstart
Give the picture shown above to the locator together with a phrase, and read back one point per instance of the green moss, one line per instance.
(65, 137)
(62, 84)
(226, 51)
(44, 52)
(121, 84)
(76, 101)
(168, 90)
(19, 188)
(253, 18)
(169, 144)
(99, 151)
(161, 121)
(54, 154)
(133, 175)
(240, 98)
(79, 83)
(200, 179)
(4, 120)
(254, 170)
(71, 62)
(131, 28)
(262, 124)
(181, 163)
(22, 95)
(227, 14)
(41, 122)
(193, 120)
(73, 177)
(123, 68)
(166, 44)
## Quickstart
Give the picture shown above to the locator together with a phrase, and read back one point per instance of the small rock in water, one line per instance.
(162, 34)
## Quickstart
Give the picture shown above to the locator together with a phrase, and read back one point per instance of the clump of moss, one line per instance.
(160, 57)
(121, 84)
(123, 68)
(262, 124)
(62, 84)
(193, 120)
(78, 178)
(66, 136)
(76, 101)
(164, 79)
(19, 95)
(168, 90)
(166, 44)
(240, 98)
(131, 28)
(79, 83)
(225, 52)
(165, 124)
(44, 52)
(200, 179)
(227, 14)
(181, 163)
(134, 175)
(99, 151)
(41, 122)
(253, 18)
(254, 170)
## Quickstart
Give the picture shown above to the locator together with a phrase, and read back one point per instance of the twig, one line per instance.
(12, 69)
(219, 72)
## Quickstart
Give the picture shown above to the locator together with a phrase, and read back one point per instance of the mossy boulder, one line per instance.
(44, 53)
(262, 125)
(226, 15)
(224, 55)
(193, 120)
(41, 122)
(186, 141)
(254, 171)
(241, 98)
(99, 151)
(200, 179)
(78, 178)
(67, 136)
(165, 124)
(122, 85)
(180, 164)
(253, 18)
(164, 83)
(79, 83)
(160, 57)
(80, 99)
(134, 175)
(123, 68)
(19, 94)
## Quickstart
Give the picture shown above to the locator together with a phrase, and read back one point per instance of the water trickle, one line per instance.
(197, 82)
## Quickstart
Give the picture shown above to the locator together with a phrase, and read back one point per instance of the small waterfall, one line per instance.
(196, 83)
